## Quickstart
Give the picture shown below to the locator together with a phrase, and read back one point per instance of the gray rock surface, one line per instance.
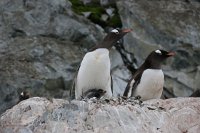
(40, 47)
(38, 115)
(171, 25)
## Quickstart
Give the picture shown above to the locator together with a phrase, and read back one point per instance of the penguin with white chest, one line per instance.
(94, 70)
(147, 82)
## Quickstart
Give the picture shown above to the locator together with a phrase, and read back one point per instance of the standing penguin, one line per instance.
(94, 70)
(147, 82)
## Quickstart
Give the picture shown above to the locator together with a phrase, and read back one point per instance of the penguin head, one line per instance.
(156, 57)
(24, 95)
(112, 37)
(163, 54)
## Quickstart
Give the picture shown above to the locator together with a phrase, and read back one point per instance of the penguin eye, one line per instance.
(115, 31)
(158, 52)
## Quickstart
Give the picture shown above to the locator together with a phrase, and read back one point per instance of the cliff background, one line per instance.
(43, 42)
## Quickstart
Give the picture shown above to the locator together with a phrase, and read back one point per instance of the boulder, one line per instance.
(170, 25)
(39, 115)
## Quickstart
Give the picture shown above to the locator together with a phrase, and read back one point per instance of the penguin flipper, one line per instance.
(127, 89)
(73, 88)
(133, 83)
(111, 83)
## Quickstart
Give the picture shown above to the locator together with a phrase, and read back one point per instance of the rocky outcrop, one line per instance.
(171, 25)
(40, 47)
(43, 42)
(38, 115)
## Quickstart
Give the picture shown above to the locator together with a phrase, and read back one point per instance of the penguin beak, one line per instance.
(126, 30)
(171, 54)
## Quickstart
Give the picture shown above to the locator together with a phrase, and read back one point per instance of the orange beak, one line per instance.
(171, 53)
(126, 30)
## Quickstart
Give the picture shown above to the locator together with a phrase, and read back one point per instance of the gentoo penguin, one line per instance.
(94, 70)
(147, 82)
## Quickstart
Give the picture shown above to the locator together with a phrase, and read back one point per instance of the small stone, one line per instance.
(104, 17)
(37, 52)
(110, 11)
(86, 14)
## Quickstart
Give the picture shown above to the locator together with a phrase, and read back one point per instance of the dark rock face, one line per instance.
(40, 48)
(171, 25)
(38, 115)
(46, 18)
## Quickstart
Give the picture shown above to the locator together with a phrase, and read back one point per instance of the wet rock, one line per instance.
(40, 115)
(170, 25)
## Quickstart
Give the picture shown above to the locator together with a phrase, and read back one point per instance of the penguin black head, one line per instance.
(155, 58)
(111, 38)
(24, 95)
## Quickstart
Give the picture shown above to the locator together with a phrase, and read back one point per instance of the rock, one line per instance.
(119, 73)
(104, 17)
(45, 18)
(86, 14)
(197, 78)
(170, 25)
(40, 115)
(86, 2)
(107, 2)
(110, 11)
(120, 76)
(40, 48)
(101, 2)
(9, 96)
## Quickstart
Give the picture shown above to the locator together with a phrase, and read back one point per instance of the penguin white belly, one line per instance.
(151, 84)
(94, 73)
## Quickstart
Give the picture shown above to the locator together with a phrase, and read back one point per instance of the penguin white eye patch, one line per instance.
(158, 51)
(115, 31)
